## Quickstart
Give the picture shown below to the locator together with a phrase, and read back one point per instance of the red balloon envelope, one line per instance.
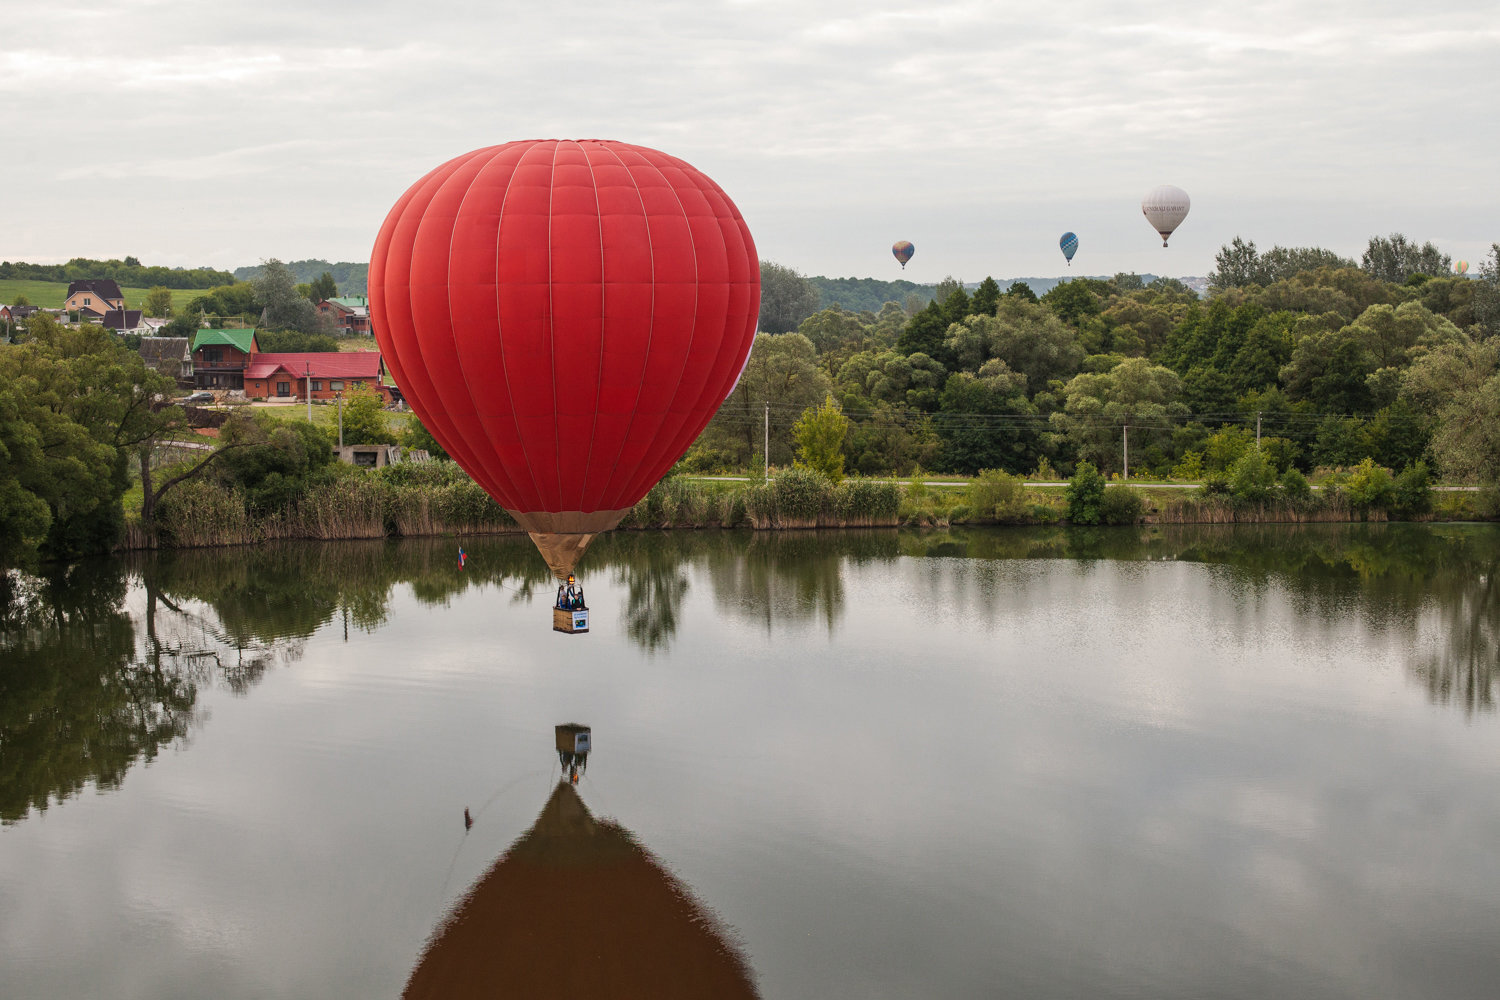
(565, 317)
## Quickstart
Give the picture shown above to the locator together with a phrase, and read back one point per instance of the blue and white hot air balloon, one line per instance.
(1069, 244)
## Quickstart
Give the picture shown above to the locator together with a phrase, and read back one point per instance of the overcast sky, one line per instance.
(222, 132)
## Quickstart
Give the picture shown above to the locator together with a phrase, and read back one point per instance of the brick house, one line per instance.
(286, 376)
(93, 297)
(349, 314)
(220, 358)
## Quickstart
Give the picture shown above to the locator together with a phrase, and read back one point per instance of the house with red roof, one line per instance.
(324, 375)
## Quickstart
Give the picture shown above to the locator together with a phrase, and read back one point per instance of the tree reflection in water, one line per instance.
(578, 908)
(87, 687)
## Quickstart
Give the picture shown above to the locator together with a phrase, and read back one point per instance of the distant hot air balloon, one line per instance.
(1069, 244)
(1165, 208)
(565, 317)
(1460, 267)
(902, 251)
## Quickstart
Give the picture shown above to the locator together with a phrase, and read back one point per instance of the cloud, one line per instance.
(879, 115)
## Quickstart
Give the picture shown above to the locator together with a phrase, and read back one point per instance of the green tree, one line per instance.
(782, 371)
(832, 328)
(1097, 405)
(322, 288)
(986, 298)
(284, 309)
(1085, 495)
(415, 436)
(158, 302)
(977, 421)
(819, 434)
(786, 298)
(364, 418)
(1486, 294)
(1458, 385)
(76, 404)
(1394, 259)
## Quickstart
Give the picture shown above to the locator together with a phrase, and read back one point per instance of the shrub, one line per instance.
(1043, 513)
(1370, 487)
(959, 514)
(1252, 479)
(1412, 491)
(866, 501)
(997, 495)
(793, 498)
(732, 509)
(1293, 489)
(1121, 505)
(1085, 494)
(1044, 473)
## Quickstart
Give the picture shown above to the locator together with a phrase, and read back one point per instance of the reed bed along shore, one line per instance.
(440, 499)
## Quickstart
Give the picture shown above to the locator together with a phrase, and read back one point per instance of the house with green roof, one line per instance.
(220, 358)
(348, 313)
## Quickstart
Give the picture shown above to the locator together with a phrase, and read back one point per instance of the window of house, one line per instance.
(337, 385)
(212, 355)
(317, 385)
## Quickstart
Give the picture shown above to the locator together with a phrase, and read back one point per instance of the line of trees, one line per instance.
(129, 272)
(1298, 353)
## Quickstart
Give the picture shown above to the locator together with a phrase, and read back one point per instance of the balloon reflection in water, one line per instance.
(577, 908)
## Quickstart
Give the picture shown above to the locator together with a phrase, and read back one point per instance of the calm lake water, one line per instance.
(1201, 762)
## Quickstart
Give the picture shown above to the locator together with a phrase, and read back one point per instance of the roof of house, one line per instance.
(351, 301)
(154, 349)
(105, 288)
(324, 364)
(90, 311)
(122, 319)
(240, 340)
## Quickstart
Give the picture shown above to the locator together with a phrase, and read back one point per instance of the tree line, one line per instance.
(1307, 357)
(129, 272)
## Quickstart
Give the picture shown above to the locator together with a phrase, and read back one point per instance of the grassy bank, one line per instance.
(438, 498)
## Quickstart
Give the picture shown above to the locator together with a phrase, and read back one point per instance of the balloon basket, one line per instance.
(573, 622)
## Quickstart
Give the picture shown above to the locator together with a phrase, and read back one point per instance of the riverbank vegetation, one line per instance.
(1302, 390)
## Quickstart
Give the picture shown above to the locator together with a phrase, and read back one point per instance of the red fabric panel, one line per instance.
(565, 317)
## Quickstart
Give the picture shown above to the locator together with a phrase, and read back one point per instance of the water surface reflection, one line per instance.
(577, 907)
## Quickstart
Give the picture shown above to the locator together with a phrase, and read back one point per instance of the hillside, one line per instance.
(351, 277)
(857, 294)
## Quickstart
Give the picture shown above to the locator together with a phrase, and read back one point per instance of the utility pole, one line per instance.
(767, 444)
(340, 398)
(1127, 452)
(1257, 430)
(307, 387)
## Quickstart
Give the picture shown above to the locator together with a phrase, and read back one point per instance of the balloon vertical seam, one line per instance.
(500, 331)
(644, 468)
(583, 483)
(606, 498)
(552, 335)
(499, 476)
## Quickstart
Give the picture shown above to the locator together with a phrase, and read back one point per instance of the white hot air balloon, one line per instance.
(1165, 208)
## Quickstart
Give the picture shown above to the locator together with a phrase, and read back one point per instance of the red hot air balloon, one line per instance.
(565, 317)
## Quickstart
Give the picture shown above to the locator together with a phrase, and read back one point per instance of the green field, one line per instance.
(52, 294)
